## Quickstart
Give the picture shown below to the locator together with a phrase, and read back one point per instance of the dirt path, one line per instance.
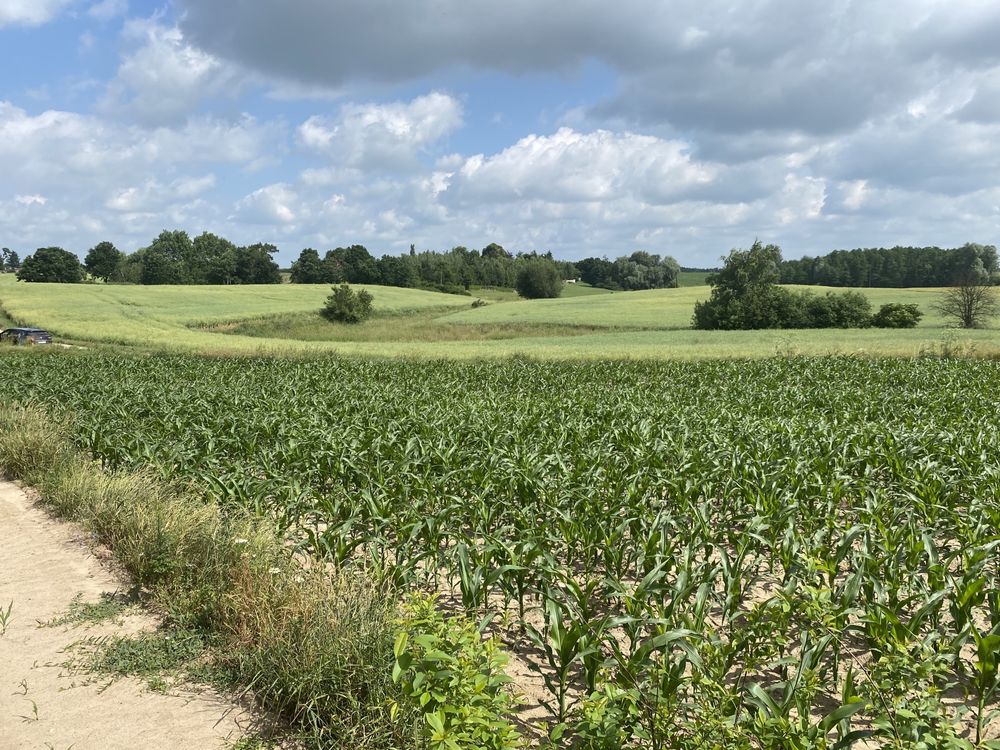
(44, 564)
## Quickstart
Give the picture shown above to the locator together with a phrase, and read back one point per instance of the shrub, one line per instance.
(347, 306)
(539, 278)
(897, 315)
(456, 679)
(843, 310)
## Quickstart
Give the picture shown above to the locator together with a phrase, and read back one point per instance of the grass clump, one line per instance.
(147, 654)
(110, 607)
(314, 648)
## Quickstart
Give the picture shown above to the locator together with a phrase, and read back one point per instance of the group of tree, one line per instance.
(172, 258)
(454, 271)
(9, 260)
(640, 270)
(894, 267)
(745, 295)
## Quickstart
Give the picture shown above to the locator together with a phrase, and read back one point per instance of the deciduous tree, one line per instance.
(51, 264)
(970, 303)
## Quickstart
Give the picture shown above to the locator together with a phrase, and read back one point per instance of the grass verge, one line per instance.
(313, 647)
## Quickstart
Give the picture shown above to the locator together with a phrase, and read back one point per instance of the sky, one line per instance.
(583, 127)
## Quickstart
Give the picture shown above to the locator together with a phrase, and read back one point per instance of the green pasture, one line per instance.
(594, 324)
(693, 278)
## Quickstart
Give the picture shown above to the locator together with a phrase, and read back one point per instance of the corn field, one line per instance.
(797, 553)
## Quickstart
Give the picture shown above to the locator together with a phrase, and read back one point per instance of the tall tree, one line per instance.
(254, 264)
(213, 260)
(309, 269)
(103, 260)
(356, 265)
(51, 264)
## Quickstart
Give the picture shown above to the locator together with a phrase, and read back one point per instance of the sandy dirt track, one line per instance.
(44, 564)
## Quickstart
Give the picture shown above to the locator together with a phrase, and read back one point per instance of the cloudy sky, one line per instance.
(583, 127)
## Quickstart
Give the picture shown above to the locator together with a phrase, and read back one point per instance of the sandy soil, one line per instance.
(44, 564)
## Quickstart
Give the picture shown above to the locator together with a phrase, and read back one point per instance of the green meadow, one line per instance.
(586, 323)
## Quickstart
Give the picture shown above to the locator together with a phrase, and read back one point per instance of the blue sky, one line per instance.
(581, 128)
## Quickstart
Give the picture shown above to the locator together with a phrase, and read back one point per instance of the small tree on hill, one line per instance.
(539, 278)
(347, 306)
(970, 303)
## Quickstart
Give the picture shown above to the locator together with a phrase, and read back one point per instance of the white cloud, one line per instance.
(275, 203)
(854, 194)
(78, 177)
(164, 79)
(31, 200)
(30, 12)
(569, 166)
(152, 195)
(105, 10)
(801, 198)
(383, 135)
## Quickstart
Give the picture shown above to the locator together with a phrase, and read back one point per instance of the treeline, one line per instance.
(894, 267)
(453, 271)
(460, 268)
(172, 258)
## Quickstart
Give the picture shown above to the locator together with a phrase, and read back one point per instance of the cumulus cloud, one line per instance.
(153, 195)
(73, 176)
(164, 79)
(569, 166)
(330, 43)
(276, 203)
(383, 135)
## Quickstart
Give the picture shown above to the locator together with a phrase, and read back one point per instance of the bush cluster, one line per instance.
(745, 296)
(347, 306)
(897, 315)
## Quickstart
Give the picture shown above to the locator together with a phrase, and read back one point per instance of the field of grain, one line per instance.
(775, 553)
(283, 320)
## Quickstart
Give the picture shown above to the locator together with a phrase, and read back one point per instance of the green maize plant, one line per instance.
(785, 552)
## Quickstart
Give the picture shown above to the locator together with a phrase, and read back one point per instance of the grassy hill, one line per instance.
(594, 324)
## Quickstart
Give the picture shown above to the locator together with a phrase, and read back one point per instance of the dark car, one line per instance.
(25, 336)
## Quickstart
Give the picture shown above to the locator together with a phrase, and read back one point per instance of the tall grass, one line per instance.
(314, 647)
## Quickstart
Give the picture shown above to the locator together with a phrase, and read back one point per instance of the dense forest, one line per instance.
(894, 267)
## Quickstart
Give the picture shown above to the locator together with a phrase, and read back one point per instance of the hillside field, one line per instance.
(586, 324)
